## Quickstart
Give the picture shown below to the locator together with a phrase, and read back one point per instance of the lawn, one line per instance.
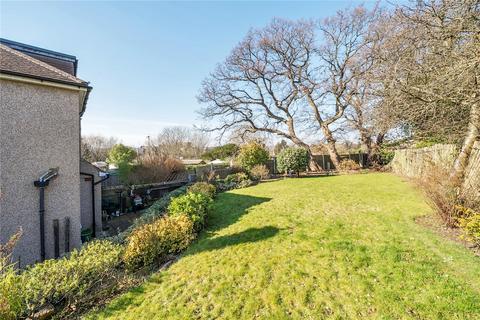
(343, 247)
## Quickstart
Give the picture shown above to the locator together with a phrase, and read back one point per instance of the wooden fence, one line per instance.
(414, 163)
(324, 161)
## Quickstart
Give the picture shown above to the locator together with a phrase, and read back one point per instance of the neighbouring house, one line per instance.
(43, 184)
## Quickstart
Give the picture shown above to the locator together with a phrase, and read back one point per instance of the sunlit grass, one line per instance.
(344, 247)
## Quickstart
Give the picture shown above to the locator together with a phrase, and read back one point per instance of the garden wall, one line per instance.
(414, 163)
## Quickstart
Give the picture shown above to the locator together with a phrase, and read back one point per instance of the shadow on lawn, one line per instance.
(249, 235)
(229, 208)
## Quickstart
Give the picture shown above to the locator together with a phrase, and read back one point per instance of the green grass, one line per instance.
(343, 247)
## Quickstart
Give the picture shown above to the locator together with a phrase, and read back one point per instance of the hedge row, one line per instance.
(165, 229)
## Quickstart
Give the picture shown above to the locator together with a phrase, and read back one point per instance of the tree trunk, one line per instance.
(366, 141)
(312, 164)
(331, 146)
(473, 134)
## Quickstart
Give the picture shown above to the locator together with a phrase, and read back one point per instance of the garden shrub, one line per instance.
(234, 181)
(348, 165)
(204, 188)
(11, 303)
(195, 205)
(236, 177)
(469, 221)
(58, 281)
(259, 172)
(292, 159)
(155, 241)
(252, 154)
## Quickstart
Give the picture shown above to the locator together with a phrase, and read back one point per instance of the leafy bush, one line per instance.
(159, 207)
(233, 181)
(259, 172)
(11, 303)
(155, 241)
(347, 165)
(121, 154)
(204, 188)
(386, 155)
(58, 281)
(292, 159)
(252, 154)
(195, 205)
(236, 177)
(469, 221)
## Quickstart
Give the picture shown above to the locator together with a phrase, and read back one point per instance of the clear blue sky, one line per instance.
(145, 60)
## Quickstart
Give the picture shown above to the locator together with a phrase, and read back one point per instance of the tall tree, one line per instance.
(334, 85)
(256, 88)
(430, 72)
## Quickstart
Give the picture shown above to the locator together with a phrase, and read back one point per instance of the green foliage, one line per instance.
(195, 205)
(60, 281)
(234, 181)
(386, 155)
(469, 221)
(11, 303)
(252, 154)
(259, 172)
(222, 152)
(347, 165)
(124, 170)
(204, 188)
(121, 154)
(236, 177)
(154, 241)
(292, 159)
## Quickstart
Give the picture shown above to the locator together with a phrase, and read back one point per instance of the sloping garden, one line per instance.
(342, 247)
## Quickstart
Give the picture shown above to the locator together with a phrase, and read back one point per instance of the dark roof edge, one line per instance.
(32, 49)
(71, 83)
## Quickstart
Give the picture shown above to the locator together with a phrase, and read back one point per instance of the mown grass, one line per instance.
(344, 247)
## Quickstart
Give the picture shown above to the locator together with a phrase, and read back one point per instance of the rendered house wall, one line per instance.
(39, 129)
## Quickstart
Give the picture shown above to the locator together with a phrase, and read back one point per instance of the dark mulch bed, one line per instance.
(435, 223)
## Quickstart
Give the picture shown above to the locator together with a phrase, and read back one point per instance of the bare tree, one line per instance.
(431, 72)
(333, 86)
(180, 142)
(257, 88)
(96, 148)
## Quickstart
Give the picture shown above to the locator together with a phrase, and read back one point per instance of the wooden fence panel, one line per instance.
(414, 163)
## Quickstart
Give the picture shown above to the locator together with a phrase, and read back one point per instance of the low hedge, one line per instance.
(153, 237)
(53, 282)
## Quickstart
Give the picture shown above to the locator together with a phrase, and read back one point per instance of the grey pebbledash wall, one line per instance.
(39, 129)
